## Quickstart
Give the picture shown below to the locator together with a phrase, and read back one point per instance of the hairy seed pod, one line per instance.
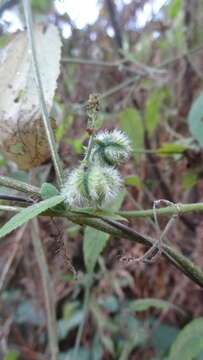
(95, 186)
(111, 148)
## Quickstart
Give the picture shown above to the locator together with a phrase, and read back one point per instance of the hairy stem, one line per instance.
(48, 293)
(89, 148)
(176, 209)
(92, 110)
(45, 115)
(20, 186)
(120, 230)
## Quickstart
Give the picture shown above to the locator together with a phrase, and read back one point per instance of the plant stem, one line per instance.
(89, 149)
(118, 63)
(120, 230)
(176, 209)
(20, 186)
(12, 254)
(48, 293)
(92, 110)
(131, 80)
(118, 87)
(183, 262)
(179, 260)
(85, 312)
(10, 208)
(45, 115)
(92, 62)
(13, 197)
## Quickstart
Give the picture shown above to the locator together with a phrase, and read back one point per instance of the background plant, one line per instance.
(137, 91)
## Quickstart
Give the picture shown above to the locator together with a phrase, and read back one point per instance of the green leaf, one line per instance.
(11, 355)
(190, 179)
(195, 119)
(69, 308)
(48, 190)
(105, 322)
(174, 8)
(133, 180)
(77, 146)
(27, 313)
(97, 348)
(29, 213)
(164, 337)
(110, 303)
(83, 354)
(95, 240)
(40, 5)
(171, 149)
(152, 112)
(108, 343)
(64, 126)
(189, 342)
(64, 326)
(145, 304)
(131, 123)
(94, 243)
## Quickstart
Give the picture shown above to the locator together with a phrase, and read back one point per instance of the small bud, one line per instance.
(90, 131)
(111, 148)
(93, 186)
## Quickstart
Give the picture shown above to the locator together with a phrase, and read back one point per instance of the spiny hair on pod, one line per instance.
(111, 148)
(92, 186)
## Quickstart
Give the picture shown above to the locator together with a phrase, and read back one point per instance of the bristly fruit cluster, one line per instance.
(92, 186)
(111, 148)
(96, 182)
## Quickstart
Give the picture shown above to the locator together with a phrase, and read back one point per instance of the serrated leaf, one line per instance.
(195, 119)
(189, 342)
(145, 304)
(22, 135)
(131, 123)
(95, 240)
(133, 180)
(29, 213)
